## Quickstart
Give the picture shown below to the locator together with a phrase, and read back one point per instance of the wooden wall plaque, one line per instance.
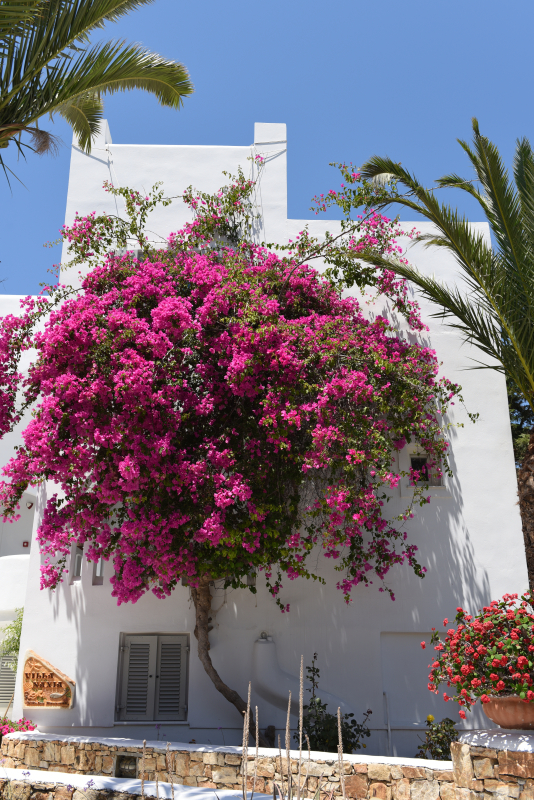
(44, 686)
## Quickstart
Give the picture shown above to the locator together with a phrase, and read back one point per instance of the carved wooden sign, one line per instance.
(44, 686)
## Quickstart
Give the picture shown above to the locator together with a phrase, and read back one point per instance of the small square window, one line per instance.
(427, 474)
(98, 572)
(76, 561)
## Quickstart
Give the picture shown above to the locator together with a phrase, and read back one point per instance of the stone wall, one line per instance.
(483, 773)
(35, 789)
(220, 769)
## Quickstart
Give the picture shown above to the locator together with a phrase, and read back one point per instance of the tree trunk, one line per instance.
(525, 486)
(202, 601)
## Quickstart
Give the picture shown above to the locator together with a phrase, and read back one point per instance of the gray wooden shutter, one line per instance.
(7, 683)
(172, 678)
(138, 678)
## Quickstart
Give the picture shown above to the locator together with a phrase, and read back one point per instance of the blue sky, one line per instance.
(350, 79)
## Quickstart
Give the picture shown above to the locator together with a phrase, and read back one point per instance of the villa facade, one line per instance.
(135, 668)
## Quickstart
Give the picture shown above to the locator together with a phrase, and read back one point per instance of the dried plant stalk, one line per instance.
(281, 765)
(169, 770)
(257, 754)
(288, 745)
(340, 753)
(157, 786)
(309, 761)
(143, 769)
(244, 749)
(301, 720)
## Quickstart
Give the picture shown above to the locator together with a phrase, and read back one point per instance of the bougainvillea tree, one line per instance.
(216, 408)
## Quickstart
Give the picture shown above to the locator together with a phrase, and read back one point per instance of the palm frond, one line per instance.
(47, 68)
(16, 14)
(84, 114)
(494, 307)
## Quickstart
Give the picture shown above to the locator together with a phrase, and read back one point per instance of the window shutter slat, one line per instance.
(172, 677)
(7, 683)
(138, 678)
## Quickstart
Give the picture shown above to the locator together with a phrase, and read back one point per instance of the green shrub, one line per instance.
(10, 644)
(320, 727)
(437, 742)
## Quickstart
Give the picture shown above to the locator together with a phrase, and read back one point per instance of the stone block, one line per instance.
(196, 756)
(210, 785)
(84, 761)
(89, 794)
(8, 763)
(484, 752)
(208, 771)
(190, 781)
(379, 772)
(446, 775)
(98, 765)
(401, 789)
(447, 791)
(526, 793)
(360, 768)
(396, 774)
(31, 757)
(43, 764)
(19, 790)
(462, 764)
(265, 768)
(107, 765)
(19, 750)
(413, 773)
(39, 796)
(231, 758)
(380, 790)
(465, 794)
(258, 785)
(316, 769)
(49, 751)
(513, 763)
(63, 768)
(213, 758)
(223, 775)
(425, 790)
(63, 793)
(68, 754)
(161, 762)
(181, 763)
(196, 768)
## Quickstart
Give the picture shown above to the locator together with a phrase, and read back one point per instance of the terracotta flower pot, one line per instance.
(510, 712)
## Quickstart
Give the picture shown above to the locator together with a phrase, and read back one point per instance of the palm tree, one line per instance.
(494, 308)
(47, 66)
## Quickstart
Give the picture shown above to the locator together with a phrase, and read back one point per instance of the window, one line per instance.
(7, 684)
(426, 474)
(98, 572)
(153, 677)
(76, 560)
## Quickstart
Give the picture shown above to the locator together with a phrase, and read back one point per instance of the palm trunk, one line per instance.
(525, 485)
(202, 601)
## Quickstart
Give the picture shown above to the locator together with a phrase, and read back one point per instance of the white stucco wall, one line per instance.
(469, 537)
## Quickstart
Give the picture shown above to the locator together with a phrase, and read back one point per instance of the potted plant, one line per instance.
(489, 656)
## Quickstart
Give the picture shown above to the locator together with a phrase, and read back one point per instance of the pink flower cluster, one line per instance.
(219, 412)
(7, 726)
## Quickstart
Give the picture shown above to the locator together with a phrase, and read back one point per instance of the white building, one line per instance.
(469, 538)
